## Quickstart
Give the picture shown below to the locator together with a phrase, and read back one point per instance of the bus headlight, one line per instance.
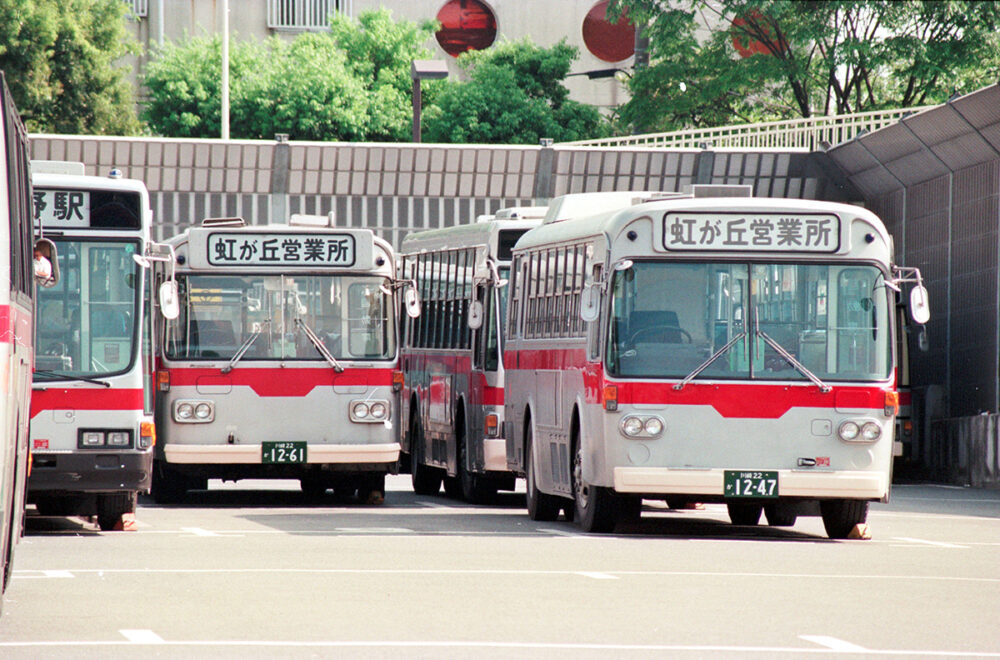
(871, 431)
(636, 426)
(849, 431)
(376, 411)
(194, 412)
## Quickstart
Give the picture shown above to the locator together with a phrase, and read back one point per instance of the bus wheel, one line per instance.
(541, 506)
(744, 513)
(425, 479)
(112, 506)
(476, 489)
(779, 516)
(169, 487)
(596, 507)
(841, 516)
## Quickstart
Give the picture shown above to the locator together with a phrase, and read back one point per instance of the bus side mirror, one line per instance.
(590, 302)
(411, 301)
(920, 310)
(169, 304)
(475, 315)
(46, 263)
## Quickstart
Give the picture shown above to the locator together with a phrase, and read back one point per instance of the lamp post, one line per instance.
(424, 70)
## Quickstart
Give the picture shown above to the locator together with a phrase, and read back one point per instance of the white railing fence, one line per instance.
(304, 14)
(807, 133)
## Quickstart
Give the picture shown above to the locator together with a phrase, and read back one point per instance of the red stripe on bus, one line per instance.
(279, 382)
(731, 400)
(15, 323)
(85, 399)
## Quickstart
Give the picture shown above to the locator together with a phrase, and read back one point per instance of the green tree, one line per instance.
(514, 95)
(62, 59)
(780, 59)
(351, 83)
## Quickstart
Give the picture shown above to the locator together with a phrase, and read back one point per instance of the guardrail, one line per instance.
(807, 133)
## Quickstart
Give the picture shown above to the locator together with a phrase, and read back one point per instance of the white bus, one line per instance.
(704, 348)
(92, 428)
(18, 276)
(454, 377)
(281, 361)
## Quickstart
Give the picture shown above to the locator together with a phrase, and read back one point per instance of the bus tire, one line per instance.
(840, 517)
(779, 516)
(476, 488)
(597, 509)
(112, 506)
(169, 486)
(746, 514)
(541, 506)
(425, 479)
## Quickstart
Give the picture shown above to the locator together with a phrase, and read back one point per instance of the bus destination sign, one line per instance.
(62, 208)
(760, 232)
(270, 249)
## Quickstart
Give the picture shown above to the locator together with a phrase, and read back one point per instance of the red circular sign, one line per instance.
(611, 42)
(465, 25)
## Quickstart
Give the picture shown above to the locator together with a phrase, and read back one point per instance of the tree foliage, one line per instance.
(779, 59)
(351, 83)
(514, 95)
(62, 62)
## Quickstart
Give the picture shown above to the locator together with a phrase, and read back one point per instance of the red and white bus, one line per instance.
(705, 348)
(22, 268)
(454, 377)
(281, 361)
(92, 431)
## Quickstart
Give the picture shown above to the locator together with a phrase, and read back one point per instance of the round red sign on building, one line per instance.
(611, 42)
(465, 25)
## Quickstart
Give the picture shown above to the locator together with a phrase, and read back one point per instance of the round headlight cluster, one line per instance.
(636, 427)
(370, 411)
(203, 411)
(862, 432)
(185, 411)
(194, 411)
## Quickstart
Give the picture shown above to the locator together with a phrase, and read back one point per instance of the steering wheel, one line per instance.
(661, 328)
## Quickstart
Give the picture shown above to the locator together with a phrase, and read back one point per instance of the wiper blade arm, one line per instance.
(704, 365)
(242, 349)
(318, 343)
(62, 376)
(823, 387)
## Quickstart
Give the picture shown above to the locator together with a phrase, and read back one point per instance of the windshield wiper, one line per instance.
(704, 365)
(823, 387)
(243, 349)
(61, 376)
(319, 345)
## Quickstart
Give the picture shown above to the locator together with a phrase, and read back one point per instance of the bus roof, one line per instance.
(484, 232)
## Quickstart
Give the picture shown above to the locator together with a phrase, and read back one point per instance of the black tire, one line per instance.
(630, 508)
(426, 480)
(112, 506)
(840, 517)
(779, 516)
(746, 514)
(169, 486)
(541, 506)
(476, 488)
(597, 507)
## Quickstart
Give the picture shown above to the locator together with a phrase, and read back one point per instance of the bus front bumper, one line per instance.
(844, 484)
(387, 453)
(90, 472)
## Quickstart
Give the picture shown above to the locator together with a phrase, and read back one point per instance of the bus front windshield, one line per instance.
(749, 321)
(271, 317)
(87, 322)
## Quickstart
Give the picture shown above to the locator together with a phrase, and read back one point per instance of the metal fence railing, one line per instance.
(808, 133)
(304, 14)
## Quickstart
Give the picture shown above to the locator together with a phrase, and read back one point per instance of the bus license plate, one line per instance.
(283, 452)
(750, 483)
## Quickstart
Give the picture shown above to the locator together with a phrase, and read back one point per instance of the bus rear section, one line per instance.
(92, 427)
(280, 361)
(721, 363)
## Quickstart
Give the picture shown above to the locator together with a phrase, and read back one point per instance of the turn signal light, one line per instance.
(397, 380)
(610, 398)
(891, 403)
(163, 381)
(492, 425)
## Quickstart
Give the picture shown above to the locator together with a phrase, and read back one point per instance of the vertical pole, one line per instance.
(159, 22)
(416, 109)
(225, 70)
